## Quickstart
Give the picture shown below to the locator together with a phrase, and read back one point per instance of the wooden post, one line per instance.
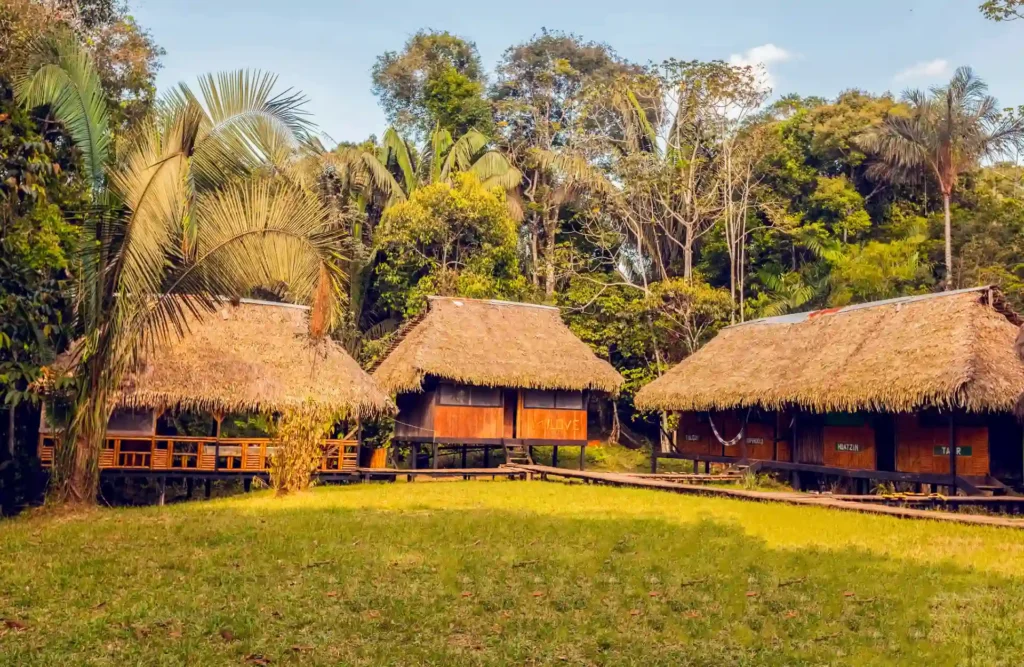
(775, 438)
(554, 456)
(792, 446)
(583, 454)
(247, 484)
(487, 456)
(743, 439)
(415, 455)
(216, 449)
(206, 491)
(433, 456)
(952, 450)
(189, 487)
(463, 456)
(163, 491)
(654, 458)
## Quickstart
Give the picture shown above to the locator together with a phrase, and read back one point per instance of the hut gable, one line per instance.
(255, 356)
(495, 344)
(954, 349)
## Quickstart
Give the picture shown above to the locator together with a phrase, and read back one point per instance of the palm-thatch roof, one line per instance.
(948, 350)
(249, 356)
(493, 344)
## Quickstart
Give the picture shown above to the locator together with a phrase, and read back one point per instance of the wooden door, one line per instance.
(810, 440)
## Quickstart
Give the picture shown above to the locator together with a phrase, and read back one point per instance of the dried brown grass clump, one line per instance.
(299, 441)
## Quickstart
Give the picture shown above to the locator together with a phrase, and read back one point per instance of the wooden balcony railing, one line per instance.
(186, 454)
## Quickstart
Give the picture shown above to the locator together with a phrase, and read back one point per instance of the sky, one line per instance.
(327, 48)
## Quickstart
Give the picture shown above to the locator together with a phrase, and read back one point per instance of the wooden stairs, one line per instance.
(984, 486)
(517, 454)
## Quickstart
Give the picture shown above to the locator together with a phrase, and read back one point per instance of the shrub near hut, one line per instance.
(298, 440)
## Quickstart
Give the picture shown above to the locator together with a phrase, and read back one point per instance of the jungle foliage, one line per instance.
(653, 203)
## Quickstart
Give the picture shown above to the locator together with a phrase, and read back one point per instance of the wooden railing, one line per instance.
(186, 454)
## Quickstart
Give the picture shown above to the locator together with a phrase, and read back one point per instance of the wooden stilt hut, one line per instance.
(249, 358)
(918, 389)
(483, 374)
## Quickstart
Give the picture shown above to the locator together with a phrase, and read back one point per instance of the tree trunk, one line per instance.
(549, 260)
(688, 256)
(534, 259)
(10, 430)
(83, 482)
(949, 242)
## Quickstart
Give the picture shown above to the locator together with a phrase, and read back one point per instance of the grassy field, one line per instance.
(503, 573)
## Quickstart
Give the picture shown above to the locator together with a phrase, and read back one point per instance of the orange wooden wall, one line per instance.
(759, 441)
(549, 424)
(915, 448)
(838, 456)
(693, 435)
(460, 421)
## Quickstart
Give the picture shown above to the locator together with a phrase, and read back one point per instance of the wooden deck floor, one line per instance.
(862, 505)
(512, 473)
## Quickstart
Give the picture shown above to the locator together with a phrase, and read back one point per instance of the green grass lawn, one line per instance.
(503, 573)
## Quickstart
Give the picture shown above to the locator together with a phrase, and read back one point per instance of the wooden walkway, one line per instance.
(647, 482)
(465, 473)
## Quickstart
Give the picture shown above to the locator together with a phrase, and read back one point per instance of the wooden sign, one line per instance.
(943, 450)
(755, 441)
(848, 447)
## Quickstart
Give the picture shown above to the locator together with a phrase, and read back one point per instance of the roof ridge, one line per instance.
(493, 302)
(261, 302)
(804, 316)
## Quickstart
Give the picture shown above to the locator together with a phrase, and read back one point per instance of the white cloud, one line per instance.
(930, 69)
(762, 58)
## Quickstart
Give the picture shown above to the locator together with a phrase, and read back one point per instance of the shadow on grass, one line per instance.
(420, 585)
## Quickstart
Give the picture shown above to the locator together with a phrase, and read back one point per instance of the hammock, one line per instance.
(739, 436)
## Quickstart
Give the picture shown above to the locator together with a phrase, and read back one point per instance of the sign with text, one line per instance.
(943, 450)
(848, 447)
(691, 437)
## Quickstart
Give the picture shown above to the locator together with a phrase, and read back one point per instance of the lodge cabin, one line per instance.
(451, 413)
(489, 374)
(919, 390)
(200, 404)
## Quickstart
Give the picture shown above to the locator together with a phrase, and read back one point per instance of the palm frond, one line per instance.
(247, 127)
(495, 171)
(62, 75)
(396, 148)
(462, 153)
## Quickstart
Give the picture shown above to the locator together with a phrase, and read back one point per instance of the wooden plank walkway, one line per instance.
(508, 472)
(634, 481)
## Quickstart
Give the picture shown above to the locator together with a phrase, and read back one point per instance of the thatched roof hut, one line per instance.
(493, 344)
(253, 356)
(954, 349)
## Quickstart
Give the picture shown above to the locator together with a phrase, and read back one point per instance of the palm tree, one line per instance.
(195, 207)
(948, 131)
(357, 183)
(442, 156)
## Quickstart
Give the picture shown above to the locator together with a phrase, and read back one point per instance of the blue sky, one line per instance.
(812, 47)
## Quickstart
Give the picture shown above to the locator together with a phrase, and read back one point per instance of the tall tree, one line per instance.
(948, 131)
(452, 238)
(190, 211)
(437, 80)
(540, 107)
